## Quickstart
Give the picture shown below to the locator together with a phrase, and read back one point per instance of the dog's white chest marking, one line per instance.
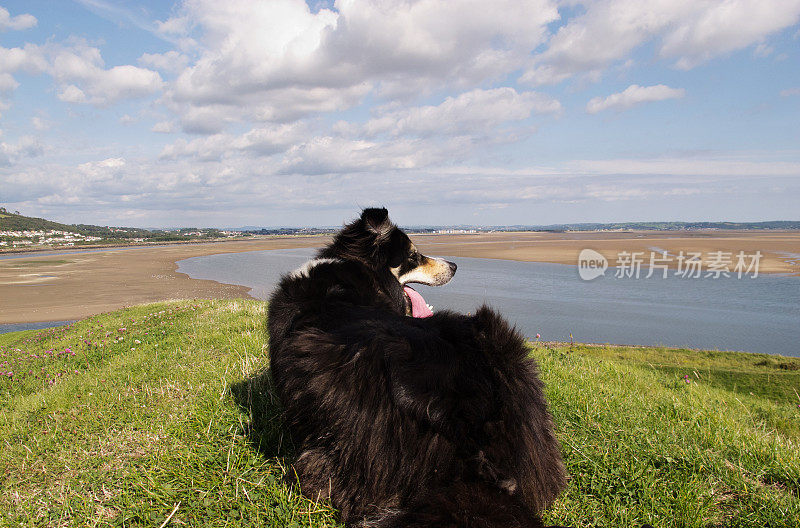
(303, 270)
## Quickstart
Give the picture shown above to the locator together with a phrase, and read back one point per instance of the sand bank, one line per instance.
(39, 287)
(780, 249)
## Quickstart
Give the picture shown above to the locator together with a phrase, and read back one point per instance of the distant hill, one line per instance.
(107, 234)
(18, 222)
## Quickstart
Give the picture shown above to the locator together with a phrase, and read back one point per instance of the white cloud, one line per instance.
(688, 32)
(40, 124)
(790, 92)
(292, 103)
(102, 170)
(280, 105)
(7, 83)
(169, 62)
(469, 112)
(25, 147)
(19, 22)
(284, 62)
(30, 58)
(80, 72)
(208, 119)
(722, 27)
(71, 94)
(332, 155)
(178, 25)
(632, 96)
(265, 140)
(164, 127)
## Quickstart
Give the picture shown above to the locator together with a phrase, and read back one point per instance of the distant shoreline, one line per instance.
(680, 233)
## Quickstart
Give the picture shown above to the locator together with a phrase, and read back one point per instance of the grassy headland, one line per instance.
(126, 418)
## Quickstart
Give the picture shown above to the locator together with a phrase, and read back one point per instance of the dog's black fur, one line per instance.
(402, 421)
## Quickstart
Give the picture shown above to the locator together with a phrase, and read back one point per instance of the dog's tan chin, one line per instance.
(433, 272)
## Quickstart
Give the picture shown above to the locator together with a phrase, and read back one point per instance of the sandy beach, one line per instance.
(73, 284)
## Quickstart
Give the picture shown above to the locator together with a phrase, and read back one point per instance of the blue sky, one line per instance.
(289, 113)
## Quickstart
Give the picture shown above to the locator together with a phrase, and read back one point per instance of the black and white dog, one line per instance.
(402, 417)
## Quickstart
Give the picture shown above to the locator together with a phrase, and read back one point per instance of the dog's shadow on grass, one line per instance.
(255, 396)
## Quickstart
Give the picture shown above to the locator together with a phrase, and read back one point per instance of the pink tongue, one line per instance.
(419, 307)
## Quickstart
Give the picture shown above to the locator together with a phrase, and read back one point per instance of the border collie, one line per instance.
(400, 416)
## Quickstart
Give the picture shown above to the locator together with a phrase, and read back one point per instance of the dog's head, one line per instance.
(376, 242)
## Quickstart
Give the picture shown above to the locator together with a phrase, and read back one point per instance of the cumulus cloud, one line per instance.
(80, 73)
(337, 155)
(685, 32)
(28, 58)
(296, 62)
(71, 94)
(80, 70)
(722, 27)
(24, 147)
(261, 141)
(469, 112)
(632, 96)
(103, 169)
(19, 22)
(293, 148)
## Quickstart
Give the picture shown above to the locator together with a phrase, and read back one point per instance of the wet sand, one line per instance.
(40, 287)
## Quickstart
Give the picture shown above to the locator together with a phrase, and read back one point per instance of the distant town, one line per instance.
(41, 238)
(19, 232)
(57, 238)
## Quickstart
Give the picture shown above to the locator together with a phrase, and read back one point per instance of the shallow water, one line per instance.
(754, 315)
(33, 255)
(17, 327)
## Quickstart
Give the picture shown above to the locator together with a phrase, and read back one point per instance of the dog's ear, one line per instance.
(377, 221)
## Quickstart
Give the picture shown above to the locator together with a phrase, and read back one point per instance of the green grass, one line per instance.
(122, 418)
(775, 378)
